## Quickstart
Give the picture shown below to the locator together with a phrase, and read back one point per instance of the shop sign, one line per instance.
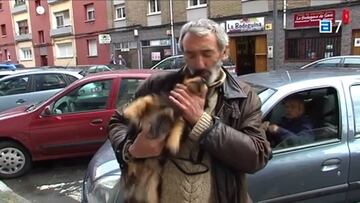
(155, 56)
(308, 19)
(104, 39)
(245, 25)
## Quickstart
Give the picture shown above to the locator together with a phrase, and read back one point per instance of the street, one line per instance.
(52, 181)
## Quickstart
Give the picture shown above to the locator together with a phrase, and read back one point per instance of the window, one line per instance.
(25, 54)
(90, 12)
(92, 47)
(352, 62)
(3, 29)
(309, 44)
(62, 19)
(120, 12)
(355, 95)
(327, 63)
(0, 5)
(37, 3)
(154, 6)
(49, 81)
(41, 36)
(195, 3)
(23, 27)
(89, 97)
(17, 85)
(128, 87)
(304, 118)
(19, 2)
(64, 50)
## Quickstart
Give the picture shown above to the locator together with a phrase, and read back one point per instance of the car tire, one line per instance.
(15, 160)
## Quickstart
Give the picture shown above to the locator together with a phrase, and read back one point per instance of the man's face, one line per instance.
(202, 53)
(294, 109)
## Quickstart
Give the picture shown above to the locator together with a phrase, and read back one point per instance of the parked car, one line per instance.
(28, 86)
(325, 169)
(71, 123)
(178, 61)
(352, 61)
(10, 66)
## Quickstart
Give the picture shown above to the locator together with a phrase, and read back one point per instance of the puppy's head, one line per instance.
(197, 85)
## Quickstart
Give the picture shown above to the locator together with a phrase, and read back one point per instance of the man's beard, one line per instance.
(210, 75)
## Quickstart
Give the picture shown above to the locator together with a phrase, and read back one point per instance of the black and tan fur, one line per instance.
(142, 177)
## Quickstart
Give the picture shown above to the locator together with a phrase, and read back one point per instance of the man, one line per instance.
(121, 60)
(295, 128)
(224, 140)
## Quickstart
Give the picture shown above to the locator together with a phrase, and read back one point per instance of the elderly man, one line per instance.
(224, 139)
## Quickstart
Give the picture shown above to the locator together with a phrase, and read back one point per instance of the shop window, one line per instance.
(309, 44)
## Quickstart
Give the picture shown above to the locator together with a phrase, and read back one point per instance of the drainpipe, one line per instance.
(275, 33)
(173, 42)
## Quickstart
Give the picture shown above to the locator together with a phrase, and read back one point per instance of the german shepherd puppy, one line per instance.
(142, 177)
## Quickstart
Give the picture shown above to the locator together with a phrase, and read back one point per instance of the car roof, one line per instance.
(278, 78)
(42, 71)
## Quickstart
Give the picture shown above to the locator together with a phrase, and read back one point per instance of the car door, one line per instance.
(13, 91)
(353, 98)
(78, 120)
(308, 170)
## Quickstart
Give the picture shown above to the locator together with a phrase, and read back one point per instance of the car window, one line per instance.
(355, 95)
(304, 118)
(49, 81)
(4, 68)
(71, 78)
(352, 63)
(16, 85)
(89, 97)
(327, 63)
(128, 87)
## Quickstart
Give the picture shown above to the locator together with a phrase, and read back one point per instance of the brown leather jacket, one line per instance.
(236, 142)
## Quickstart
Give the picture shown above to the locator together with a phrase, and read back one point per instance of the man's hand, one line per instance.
(144, 147)
(190, 105)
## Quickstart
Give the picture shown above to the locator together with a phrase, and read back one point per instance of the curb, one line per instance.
(9, 196)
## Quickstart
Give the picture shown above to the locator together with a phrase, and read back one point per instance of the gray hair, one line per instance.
(203, 27)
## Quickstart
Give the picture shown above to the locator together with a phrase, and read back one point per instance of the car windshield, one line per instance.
(263, 92)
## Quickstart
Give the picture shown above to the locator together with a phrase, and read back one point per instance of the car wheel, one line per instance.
(15, 160)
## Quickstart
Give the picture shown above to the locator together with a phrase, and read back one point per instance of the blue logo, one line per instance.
(325, 26)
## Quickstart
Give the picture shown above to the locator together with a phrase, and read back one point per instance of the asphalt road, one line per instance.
(52, 181)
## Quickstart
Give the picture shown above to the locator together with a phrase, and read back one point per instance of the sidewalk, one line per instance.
(8, 196)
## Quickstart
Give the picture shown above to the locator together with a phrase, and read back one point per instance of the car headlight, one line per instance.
(103, 189)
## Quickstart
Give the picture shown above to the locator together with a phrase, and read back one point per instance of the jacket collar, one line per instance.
(230, 88)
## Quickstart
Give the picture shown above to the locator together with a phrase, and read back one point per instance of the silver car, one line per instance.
(33, 86)
(322, 169)
(351, 61)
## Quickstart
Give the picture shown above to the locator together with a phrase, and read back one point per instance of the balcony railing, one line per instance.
(62, 31)
(54, 1)
(20, 8)
(23, 37)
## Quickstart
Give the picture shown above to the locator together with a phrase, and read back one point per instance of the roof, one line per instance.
(275, 79)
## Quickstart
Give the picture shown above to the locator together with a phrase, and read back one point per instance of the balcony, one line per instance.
(51, 2)
(61, 31)
(23, 37)
(20, 8)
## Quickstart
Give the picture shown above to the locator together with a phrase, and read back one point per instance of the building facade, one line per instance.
(7, 43)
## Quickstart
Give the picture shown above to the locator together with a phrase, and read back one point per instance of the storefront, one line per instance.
(248, 44)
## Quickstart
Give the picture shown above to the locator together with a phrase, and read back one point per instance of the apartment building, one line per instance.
(7, 45)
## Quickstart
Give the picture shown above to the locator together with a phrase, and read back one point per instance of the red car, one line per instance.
(71, 123)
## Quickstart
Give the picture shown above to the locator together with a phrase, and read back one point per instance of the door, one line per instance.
(354, 140)
(260, 54)
(356, 36)
(310, 155)
(44, 61)
(77, 123)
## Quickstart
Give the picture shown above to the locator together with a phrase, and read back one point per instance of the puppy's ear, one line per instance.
(196, 85)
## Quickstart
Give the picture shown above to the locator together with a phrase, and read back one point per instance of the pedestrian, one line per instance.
(224, 140)
(121, 60)
(112, 59)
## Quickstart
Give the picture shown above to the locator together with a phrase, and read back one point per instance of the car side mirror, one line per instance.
(47, 111)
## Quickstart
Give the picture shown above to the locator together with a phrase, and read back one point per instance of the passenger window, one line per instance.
(355, 95)
(17, 85)
(89, 97)
(329, 63)
(304, 118)
(352, 62)
(128, 87)
(49, 82)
